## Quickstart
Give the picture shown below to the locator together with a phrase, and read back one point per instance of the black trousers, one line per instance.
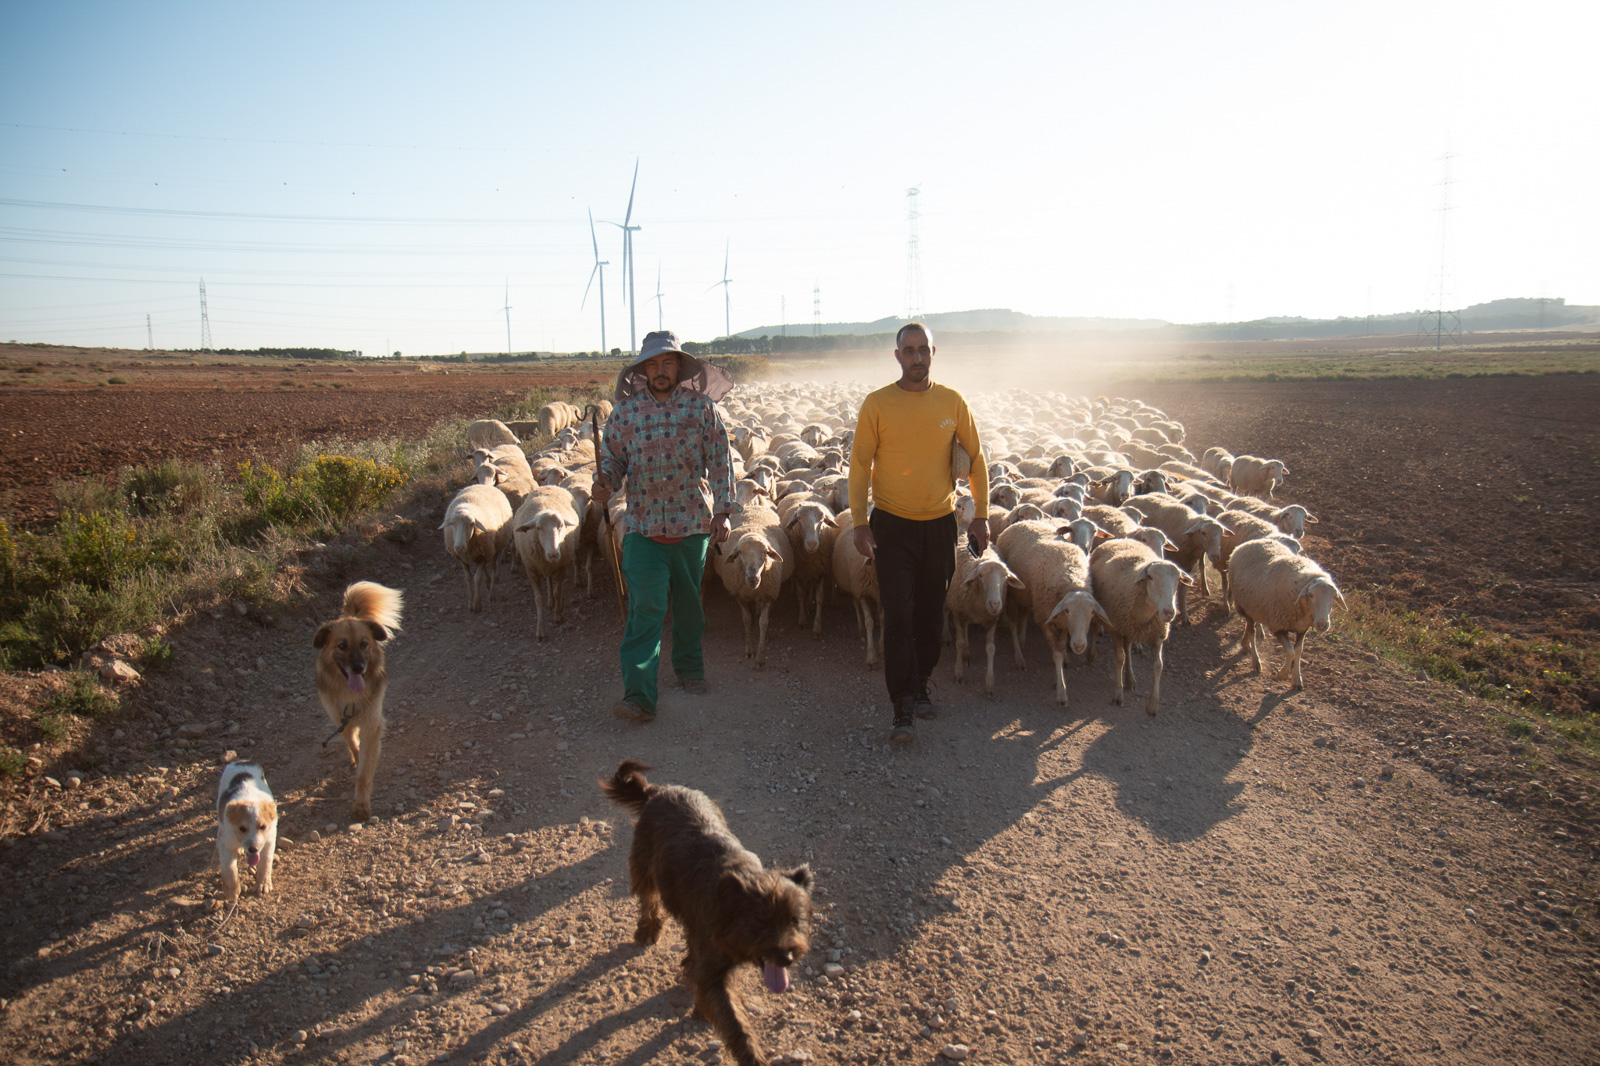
(915, 561)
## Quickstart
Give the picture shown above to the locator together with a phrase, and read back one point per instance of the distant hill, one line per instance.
(991, 320)
(1521, 313)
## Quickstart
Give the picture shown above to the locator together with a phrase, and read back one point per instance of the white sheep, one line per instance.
(755, 561)
(857, 576)
(487, 432)
(1255, 476)
(1196, 538)
(977, 594)
(812, 528)
(1284, 593)
(477, 527)
(1056, 589)
(1138, 592)
(547, 529)
(1212, 462)
(1240, 527)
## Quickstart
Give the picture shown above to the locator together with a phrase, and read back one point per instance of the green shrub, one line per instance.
(169, 487)
(12, 762)
(51, 726)
(158, 652)
(116, 380)
(8, 557)
(84, 698)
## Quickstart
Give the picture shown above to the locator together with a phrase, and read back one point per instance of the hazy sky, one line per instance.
(372, 176)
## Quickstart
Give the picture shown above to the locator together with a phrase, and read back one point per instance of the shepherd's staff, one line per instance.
(593, 414)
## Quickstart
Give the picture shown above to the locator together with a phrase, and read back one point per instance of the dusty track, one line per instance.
(1251, 876)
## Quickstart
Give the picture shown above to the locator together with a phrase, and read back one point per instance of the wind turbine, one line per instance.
(627, 258)
(600, 269)
(725, 282)
(657, 297)
(507, 310)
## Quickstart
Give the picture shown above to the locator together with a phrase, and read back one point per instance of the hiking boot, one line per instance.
(694, 686)
(905, 721)
(630, 711)
(922, 699)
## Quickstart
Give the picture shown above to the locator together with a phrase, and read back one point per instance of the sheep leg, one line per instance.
(472, 586)
(1286, 645)
(1119, 649)
(1299, 655)
(1128, 680)
(1183, 604)
(800, 601)
(540, 631)
(988, 652)
(1058, 654)
(821, 588)
(558, 594)
(963, 648)
(861, 627)
(1158, 663)
(749, 646)
(588, 576)
(761, 642)
(1247, 642)
(491, 571)
(1205, 589)
(1018, 623)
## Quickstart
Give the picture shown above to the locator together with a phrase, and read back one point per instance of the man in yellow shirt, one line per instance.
(902, 449)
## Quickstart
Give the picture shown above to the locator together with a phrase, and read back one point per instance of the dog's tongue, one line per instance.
(775, 977)
(254, 857)
(356, 682)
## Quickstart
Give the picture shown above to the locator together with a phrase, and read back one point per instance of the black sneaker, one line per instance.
(923, 699)
(905, 721)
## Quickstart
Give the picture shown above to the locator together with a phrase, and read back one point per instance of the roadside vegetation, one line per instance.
(1337, 365)
(150, 542)
(1537, 680)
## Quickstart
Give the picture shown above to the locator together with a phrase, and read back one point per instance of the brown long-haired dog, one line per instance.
(685, 859)
(351, 678)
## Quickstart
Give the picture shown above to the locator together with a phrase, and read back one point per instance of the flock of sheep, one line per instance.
(1100, 518)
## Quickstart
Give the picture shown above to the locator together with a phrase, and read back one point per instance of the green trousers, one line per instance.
(660, 575)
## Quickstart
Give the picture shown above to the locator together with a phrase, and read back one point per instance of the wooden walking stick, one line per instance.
(605, 512)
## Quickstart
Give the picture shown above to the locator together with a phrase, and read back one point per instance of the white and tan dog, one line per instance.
(247, 824)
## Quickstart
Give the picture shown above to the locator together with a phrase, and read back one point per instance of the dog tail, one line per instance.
(378, 603)
(627, 787)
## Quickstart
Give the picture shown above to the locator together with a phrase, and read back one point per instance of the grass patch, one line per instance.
(1409, 363)
(1546, 681)
(116, 380)
(12, 763)
(157, 654)
(83, 698)
(128, 550)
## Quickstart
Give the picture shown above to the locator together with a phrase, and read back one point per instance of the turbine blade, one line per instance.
(629, 216)
(586, 288)
(593, 239)
(725, 262)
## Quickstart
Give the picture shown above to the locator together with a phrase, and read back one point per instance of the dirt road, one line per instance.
(1343, 875)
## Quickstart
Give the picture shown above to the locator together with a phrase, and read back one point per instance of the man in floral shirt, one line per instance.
(667, 439)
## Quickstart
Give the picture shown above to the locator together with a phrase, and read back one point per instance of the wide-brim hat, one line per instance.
(695, 375)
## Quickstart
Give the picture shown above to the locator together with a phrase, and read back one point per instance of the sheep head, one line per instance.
(1207, 533)
(754, 557)
(1318, 597)
(1074, 613)
(1160, 581)
(993, 577)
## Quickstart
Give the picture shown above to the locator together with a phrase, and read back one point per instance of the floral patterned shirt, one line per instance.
(676, 461)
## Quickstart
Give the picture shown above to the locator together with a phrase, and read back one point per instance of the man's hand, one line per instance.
(719, 528)
(601, 493)
(866, 543)
(978, 535)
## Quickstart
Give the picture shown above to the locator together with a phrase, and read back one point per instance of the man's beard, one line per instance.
(662, 384)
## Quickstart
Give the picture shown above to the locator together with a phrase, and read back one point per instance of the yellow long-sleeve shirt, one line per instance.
(902, 449)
